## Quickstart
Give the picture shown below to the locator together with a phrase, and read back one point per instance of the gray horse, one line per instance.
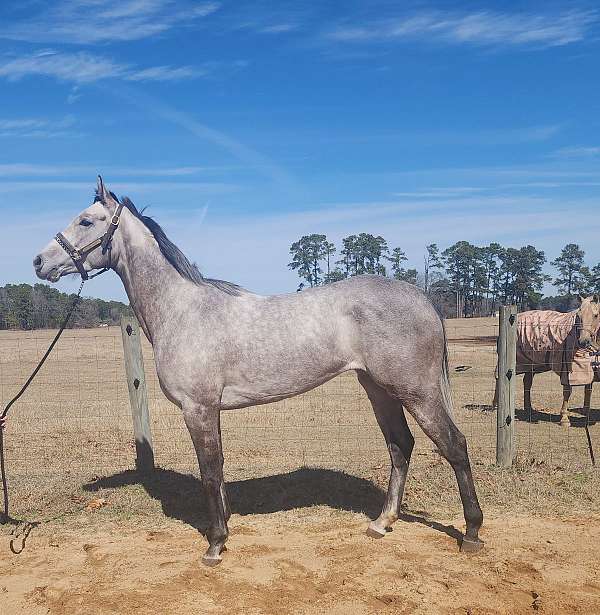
(219, 347)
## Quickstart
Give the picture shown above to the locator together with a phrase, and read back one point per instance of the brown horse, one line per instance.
(562, 343)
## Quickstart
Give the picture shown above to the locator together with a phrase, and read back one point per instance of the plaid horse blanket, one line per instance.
(547, 341)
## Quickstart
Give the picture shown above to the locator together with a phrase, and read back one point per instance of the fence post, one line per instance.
(138, 395)
(507, 359)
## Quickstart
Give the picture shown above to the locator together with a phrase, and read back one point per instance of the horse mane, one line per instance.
(172, 253)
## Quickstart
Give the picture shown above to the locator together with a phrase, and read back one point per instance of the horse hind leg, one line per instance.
(527, 383)
(564, 411)
(400, 442)
(433, 418)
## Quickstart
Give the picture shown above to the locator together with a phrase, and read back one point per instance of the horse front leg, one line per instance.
(527, 383)
(564, 411)
(203, 423)
(587, 398)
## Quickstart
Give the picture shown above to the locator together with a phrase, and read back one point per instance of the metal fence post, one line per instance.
(138, 395)
(507, 359)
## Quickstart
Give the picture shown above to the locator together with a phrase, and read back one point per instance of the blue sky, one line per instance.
(244, 126)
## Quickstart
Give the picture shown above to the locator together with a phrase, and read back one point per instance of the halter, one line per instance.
(78, 255)
(594, 335)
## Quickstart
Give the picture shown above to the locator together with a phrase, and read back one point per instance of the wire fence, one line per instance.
(75, 419)
(539, 436)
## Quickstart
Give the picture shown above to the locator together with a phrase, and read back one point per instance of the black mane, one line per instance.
(173, 254)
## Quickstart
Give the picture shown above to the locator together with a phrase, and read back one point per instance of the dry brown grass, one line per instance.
(70, 440)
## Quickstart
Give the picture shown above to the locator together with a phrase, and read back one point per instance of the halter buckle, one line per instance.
(115, 220)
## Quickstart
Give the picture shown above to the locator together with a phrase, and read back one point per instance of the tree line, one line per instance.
(42, 307)
(463, 279)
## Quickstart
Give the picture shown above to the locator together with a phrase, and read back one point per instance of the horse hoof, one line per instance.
(374, 531)
(565, 423)
(471, 546)
(211, 561)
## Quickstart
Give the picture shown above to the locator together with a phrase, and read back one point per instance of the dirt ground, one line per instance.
(318, 562)
(304, 476)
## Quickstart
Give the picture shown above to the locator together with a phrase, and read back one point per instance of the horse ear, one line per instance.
(580, 299)
(101, 191)
(596, 298)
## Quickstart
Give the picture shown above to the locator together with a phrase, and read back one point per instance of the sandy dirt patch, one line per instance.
(313, 561)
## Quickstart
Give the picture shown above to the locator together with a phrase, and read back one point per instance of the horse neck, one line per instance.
(151, 283)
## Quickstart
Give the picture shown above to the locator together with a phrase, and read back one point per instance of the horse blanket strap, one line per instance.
(78, 255)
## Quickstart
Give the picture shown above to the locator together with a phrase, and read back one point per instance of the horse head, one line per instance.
(85, 245)
(588, 321)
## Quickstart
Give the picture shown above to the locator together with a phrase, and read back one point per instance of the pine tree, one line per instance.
(569, 265)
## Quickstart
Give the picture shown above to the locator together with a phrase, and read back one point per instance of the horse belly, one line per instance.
(278, 385)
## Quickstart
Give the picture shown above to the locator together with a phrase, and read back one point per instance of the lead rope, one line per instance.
(589, 438)
(595, 366)
(27, 526)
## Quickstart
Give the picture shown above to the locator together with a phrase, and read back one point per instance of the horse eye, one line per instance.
(85, 222)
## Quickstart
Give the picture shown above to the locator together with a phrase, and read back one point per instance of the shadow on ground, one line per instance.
(542, 417)
(181, 498)
(547, 417)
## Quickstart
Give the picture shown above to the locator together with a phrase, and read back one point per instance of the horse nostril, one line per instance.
(37, 261)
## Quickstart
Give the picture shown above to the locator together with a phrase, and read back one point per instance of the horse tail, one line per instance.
(445, 390)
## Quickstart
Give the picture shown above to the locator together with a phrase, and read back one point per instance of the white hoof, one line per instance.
(375, 531)
(211, 561)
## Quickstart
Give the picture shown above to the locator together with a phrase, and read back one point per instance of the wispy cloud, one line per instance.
(167, 73)
(480, 28)
(533, 133)
(140, 188)
(46, 170)
(245, 154)
(499, 136)
(278, 28)
(477, 193)
(577, 152)
(266, 17)
(84, 67)
(468, 134)
(74, 95)
(37, 128)
(77, 67)
(100, 21)
(440, 193)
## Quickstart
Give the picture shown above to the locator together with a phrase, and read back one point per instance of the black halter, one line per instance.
(78, 255)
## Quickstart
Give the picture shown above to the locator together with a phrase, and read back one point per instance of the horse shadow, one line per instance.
(180, 495)
(544, 417)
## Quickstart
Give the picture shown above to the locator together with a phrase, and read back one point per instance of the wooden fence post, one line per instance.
(507, 360)
(138, 395)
